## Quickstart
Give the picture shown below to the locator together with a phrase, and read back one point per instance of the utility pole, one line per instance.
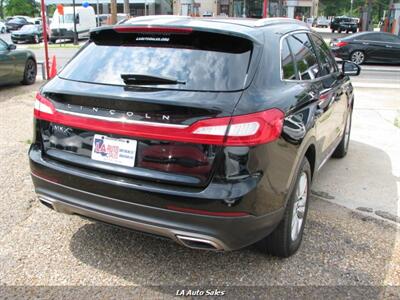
(126, 8)
(97, 13)
(113, 11)
(370, 25)
(74, 16)
(351, 8)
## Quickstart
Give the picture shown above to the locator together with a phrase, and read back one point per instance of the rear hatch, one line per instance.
(125, 104)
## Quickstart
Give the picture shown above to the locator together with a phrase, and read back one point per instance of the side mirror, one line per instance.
(12, 47)
(350, 69)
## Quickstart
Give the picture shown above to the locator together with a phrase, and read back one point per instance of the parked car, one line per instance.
(102, 19)
(322, 22)
(62, 27)
(16, 24)
(310, 22)
(16, 65)
(28, 33)
(209, 134)
(2, 27)
(346, 24)
(368, 47)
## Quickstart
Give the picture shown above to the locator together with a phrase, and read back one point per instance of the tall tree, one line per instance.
(21, 7)
(1, 9)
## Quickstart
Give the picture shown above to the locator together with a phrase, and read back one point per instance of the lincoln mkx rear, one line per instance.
(204, 131)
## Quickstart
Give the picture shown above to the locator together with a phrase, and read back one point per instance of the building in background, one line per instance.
(136, 7)
(246, 8)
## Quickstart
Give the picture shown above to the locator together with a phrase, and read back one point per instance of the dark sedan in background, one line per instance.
(28, 33)
(16, 24)
(368, 47)
(16, 65)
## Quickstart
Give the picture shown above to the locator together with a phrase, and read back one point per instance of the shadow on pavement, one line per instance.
(340, 248)
(363, 179)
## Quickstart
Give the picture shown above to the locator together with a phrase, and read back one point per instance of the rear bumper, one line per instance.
(341, 53)
(22, 39)
(192, 230)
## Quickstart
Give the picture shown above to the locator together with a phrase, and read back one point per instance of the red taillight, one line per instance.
(43, 107)
(244, 130)
(207, 212)
(341, 44)
(152, 29)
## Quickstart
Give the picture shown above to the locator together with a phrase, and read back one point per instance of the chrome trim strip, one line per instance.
(280, 59)
(123, 120)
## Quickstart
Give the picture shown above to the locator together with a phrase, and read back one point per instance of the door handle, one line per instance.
(388, 46)
(364, 43)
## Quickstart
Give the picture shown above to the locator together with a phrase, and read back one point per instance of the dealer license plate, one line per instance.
(112, 150)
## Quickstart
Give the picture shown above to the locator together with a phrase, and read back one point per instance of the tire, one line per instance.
(52, 41)
(14, 41)
(283, 241)
(343, 147)
(340, 30)
(357, 57)
(29, 72)
(333, 30)
(354, 31)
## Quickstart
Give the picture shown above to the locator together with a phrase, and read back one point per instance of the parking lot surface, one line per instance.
(342, 247)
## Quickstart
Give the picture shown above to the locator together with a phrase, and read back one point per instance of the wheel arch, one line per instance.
(311, 157)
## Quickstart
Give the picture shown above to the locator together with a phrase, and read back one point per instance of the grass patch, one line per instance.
(55, 46)
(397, 121)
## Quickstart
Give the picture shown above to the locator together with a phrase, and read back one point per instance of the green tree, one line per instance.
(1, 9)
(342, 7)
(21, 7)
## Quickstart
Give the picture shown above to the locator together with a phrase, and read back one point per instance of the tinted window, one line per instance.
(306, 60)
(288, 66)
(370, 37)
(209, 66)
(390, 38)
(3, 45)
(328, 66)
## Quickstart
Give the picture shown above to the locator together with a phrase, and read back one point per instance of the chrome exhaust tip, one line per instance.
(46, 202)
(199, 243)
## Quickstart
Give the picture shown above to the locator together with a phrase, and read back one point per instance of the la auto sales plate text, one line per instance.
(188, 293)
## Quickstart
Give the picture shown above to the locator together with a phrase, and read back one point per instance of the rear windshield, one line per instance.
(218, 63)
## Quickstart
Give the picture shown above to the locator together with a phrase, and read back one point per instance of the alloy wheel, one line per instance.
(30, 71)
(357, 57)
(299, 206)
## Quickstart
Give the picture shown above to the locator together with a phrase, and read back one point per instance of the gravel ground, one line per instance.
(343, 252)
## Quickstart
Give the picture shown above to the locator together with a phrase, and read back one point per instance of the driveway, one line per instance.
(345, 251)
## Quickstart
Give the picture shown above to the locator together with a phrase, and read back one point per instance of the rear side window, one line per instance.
(328, 65)
(390, 38)
(288, 65)
(306, 60)
(3, 45)
(200, 61)
(371, 37)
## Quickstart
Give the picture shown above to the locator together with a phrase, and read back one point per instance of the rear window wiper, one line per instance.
(139, 79)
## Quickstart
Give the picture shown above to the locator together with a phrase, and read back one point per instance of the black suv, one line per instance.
(205, 131)
(346, 24)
